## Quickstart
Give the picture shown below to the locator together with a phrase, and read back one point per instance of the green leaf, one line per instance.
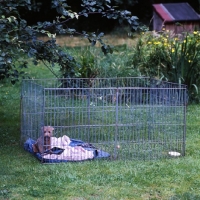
(49, 34)
(196, 88)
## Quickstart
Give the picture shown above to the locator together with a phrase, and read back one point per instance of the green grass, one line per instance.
(23, 177)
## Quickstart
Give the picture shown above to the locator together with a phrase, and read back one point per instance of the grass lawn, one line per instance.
(23, 177)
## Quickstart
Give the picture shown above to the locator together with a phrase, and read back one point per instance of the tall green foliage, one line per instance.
(86, 62)
(174, 57)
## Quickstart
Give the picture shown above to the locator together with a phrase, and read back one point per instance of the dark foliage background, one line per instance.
(140, 8)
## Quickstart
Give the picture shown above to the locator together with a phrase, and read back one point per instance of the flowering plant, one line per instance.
(173, 57)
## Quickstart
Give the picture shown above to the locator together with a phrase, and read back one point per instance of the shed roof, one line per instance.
(176, 12)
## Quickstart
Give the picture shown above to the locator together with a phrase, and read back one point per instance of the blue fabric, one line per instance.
(97, 153)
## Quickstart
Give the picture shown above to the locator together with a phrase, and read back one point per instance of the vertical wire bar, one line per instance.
(106, 116)
(43, 115)
(22, 112)
(141, 128)
(103, 116)
(184, 104)
(88, 111)
(72, 94)
(173, 113)
(116, 125)
(176, 122)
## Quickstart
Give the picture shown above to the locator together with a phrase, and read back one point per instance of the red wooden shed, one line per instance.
(176, 17)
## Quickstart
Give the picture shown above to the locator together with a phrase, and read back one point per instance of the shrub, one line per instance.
(174, 57)
(86, 61)
(91, 63)
(116, 64)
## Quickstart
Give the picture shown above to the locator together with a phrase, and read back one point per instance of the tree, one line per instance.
(19, 40)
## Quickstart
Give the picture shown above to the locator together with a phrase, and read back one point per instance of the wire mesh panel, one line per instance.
(128, 118)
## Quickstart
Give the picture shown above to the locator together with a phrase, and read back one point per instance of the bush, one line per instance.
(91, 63)
(86, 61)
(174, 57)
(116, 64)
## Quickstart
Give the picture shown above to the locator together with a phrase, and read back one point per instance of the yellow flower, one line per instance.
(173, 50)
(184, 41)
(195, 32)
(189, 61)
(149, 42)
(156, 42)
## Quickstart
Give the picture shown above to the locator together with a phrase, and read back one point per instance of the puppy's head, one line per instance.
(47, 131)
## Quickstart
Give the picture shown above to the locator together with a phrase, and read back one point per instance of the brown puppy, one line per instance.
(43, 143)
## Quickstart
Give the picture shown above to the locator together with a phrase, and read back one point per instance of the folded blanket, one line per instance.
(60, 141)
(70, 153)
(62, 153)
